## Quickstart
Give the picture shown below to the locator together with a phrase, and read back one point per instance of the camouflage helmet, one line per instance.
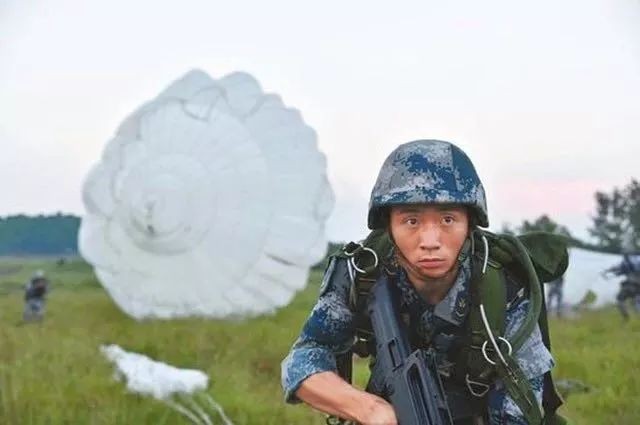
(427, 172)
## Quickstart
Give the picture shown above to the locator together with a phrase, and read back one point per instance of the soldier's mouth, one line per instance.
(431, 263)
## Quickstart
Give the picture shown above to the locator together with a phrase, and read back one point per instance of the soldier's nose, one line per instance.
(430, 238)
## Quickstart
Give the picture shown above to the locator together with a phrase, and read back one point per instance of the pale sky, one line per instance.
(543, 95)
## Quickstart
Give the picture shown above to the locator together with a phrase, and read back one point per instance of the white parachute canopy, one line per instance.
(210, 200)
(584, 274)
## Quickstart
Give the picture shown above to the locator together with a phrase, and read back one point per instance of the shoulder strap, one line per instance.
(551, 399)
(539, 257)
(490, 293)
(490, 352)
(365, 260)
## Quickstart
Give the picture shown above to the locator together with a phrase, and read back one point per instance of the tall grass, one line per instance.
(52, 373)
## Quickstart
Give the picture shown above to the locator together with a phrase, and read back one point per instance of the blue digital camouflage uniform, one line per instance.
(34, 297)
(630, 286)
(329, 330)
(419, 172)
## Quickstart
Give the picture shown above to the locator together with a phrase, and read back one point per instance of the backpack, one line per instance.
(534, 258)
(38, 288)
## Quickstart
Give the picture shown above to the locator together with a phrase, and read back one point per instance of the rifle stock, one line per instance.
(412, 383)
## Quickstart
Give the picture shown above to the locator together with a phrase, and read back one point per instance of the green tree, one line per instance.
(616, 225)
(53, 234)
(507, 229)
(544, 224)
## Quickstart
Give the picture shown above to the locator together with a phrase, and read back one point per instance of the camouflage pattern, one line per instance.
(503, 410)
(427, 172)
(33, 309)
(630, 286)
(35, 297)
(555, 295)
(330, 330)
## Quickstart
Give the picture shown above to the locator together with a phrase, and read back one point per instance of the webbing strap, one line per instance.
(519, 389)
(551, 399)
(491, 291)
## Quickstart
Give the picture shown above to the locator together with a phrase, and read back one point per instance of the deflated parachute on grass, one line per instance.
(150, 378)
(181, 389)
(210, 200)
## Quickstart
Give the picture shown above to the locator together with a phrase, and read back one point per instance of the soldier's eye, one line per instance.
(448, 219)
(411, 221)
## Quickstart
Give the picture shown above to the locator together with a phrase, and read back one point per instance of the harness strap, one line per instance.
(498, 360)
(488, 289)
(473, 367)
(551, 399)
(518, 387)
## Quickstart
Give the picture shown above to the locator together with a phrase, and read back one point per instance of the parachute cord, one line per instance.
(218, 409)
(486, 254)
(184, 411)
(490, 335)
(198, 410)
(485, 243)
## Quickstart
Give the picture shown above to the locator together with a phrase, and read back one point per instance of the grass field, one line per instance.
(52, 373)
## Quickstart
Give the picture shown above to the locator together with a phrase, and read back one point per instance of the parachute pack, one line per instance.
(534, 258)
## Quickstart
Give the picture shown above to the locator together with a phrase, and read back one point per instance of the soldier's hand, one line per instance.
(377, 411)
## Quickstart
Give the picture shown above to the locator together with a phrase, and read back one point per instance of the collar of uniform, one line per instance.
(455, 305)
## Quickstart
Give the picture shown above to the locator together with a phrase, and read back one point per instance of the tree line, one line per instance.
(39, 235)
(615, 225)
(615, 228)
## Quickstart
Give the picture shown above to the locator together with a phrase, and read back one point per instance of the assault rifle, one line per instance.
(411, 380)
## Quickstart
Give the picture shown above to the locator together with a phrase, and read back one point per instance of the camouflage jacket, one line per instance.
(36, 289)
(329, 330)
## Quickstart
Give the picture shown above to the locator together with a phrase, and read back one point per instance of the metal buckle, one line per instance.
(486, 356)
(355, 264)
(477, 389)
(355, 253)
(493, 340)
(358, 247)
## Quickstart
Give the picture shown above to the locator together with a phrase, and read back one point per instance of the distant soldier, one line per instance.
(630, 286)
(555, 293)
(35, 296)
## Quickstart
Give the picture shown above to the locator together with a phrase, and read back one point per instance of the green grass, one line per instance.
(53, 373)
(602, 351)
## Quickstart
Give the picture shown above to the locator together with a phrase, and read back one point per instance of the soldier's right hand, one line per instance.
(377, 411)
(329, 393)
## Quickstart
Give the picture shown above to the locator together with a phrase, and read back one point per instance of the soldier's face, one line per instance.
(429, 237)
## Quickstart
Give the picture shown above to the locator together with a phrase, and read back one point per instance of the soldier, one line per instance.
(556, 293)
(34, 297)
(630, 285)
(430, 201)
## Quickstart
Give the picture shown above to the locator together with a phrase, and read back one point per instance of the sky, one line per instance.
(543, 96)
